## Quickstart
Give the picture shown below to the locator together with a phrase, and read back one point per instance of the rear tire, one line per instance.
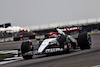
(84, 41)
(25, 47)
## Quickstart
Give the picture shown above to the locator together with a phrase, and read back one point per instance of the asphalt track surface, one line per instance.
(78, 58)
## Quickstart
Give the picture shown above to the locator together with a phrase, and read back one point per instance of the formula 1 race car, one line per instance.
(56, 42)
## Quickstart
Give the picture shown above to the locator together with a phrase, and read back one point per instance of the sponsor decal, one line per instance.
(70, 29)
(74, 28)
(53, 50)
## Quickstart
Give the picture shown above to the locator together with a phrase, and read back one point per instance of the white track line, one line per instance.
(15, 58)
(9, 60)
(9, 51)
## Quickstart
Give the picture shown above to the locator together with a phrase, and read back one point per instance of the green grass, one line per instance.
(7, 55)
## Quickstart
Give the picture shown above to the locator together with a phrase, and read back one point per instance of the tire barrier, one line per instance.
(24, 38)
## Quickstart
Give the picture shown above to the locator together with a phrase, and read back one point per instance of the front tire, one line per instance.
(26, 47)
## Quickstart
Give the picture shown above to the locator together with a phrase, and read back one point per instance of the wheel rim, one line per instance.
(69, 47)
(89, 40)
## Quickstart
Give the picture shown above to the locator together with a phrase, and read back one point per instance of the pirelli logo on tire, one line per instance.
(53, 50)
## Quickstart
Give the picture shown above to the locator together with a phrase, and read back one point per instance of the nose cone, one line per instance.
(44, 44)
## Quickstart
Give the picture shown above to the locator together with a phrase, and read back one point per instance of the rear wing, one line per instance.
(72, 29)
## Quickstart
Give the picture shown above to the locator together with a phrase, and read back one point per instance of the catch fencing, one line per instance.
(67, 23)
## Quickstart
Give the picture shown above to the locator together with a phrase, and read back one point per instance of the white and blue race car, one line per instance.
(56, 42)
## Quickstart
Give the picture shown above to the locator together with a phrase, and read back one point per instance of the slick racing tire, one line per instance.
(61, 40)
(84, 41)
(26, 47)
